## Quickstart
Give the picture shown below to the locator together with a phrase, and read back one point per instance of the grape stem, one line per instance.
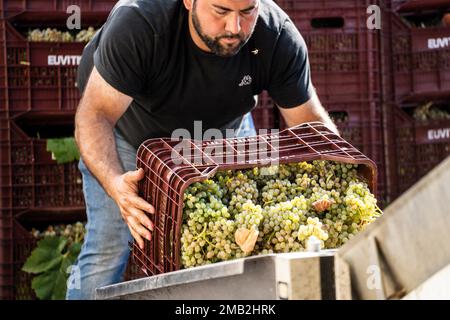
(270, 236)
(329, 177)
(201, 234)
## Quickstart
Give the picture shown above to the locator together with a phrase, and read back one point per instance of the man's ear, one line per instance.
(188, 4)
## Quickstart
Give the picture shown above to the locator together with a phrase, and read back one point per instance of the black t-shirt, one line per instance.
(145, 50)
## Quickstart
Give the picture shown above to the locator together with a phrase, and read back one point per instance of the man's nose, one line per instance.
(233, 24)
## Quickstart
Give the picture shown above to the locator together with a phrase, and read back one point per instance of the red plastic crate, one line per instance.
(429, 38)
(6, 214)
(361, 126)
(331, 15)
(39, 77)
(396, 4)
(422, 63)
(264, 115)
(432, 144)
(349, 5)
(264, 118)
(43, 10)
(4, 126)
(167, 175)
(418, 5)
(403, 172)
(348, 60)
(32, 180)
(23, 243)
(418, 147)
(6, 258)
(17, 285)
(3, 73)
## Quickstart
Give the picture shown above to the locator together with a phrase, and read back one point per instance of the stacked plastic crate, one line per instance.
(421, 64)
(38, 99)
(265, 115)
(349, 50)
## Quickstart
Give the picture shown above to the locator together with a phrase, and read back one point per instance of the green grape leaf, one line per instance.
(44, 284)
(52, 283)
(46, 255)
(74, 251)
(51, 261)
(60, 286)
(60, 282)
(63, 150)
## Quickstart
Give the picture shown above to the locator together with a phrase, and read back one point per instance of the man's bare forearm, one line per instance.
(308, 112)
(322, 115)
(95, 139)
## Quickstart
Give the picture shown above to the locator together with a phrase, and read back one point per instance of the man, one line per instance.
(159, 65)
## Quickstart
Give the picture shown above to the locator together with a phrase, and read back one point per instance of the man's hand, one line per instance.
(132, 207)
(99, 110)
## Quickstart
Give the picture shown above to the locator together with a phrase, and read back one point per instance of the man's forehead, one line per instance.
(233, 4)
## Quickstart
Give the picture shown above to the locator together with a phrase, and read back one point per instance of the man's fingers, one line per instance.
(140, 203)
(140, 216)
(137, 227)
(137, 237)
(143, 219)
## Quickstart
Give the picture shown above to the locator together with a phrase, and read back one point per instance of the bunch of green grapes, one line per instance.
(313, 227)
(73, 232)
(49, 35)
(208, 228)
(85, 35)
(239, 188)
(274, 209)
(247, 227)
(55, 35)
(281, 224)
(430, 112)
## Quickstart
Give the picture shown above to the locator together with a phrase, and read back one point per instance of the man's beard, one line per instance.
(226, 50)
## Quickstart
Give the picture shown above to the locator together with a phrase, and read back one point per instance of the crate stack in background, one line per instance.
(38, 100)
(265, 116)
(350, 69)
(420, 133)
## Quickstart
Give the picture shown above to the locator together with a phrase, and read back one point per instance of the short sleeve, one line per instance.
(124, 51)
(290, 77)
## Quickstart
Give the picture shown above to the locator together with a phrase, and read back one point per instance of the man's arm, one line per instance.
(312, 110)
(100, 108)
